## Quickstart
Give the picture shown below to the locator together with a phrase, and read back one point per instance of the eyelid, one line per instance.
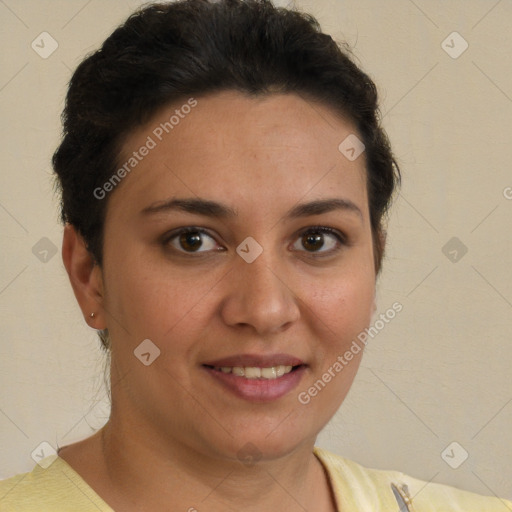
(340, 236)
(325, 229)
(166, 239)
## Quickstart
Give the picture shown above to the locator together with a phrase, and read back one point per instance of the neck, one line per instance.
(151, 476)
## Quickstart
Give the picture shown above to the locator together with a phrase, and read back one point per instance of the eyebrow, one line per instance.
(218, 210)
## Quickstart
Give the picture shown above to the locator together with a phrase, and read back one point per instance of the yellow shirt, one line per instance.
(59, 488)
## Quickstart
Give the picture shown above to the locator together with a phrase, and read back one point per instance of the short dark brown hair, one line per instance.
(164, 53)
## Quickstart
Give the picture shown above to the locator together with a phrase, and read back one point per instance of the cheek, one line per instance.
(341, 310)
(146, 299)
(344, 305)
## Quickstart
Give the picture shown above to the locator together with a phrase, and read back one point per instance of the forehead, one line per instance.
(257, 151)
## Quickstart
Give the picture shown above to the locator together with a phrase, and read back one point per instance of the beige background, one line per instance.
(438, 373)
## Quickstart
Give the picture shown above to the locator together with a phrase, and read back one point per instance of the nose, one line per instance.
(260, 296)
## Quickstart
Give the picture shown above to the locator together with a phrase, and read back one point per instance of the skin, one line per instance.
(174, 433)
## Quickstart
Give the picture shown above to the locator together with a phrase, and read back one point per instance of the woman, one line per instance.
(224, 183)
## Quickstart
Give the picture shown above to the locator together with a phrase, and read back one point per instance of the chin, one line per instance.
(251, 444)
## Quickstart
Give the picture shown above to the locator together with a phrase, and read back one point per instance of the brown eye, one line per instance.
(312, 242)
(316, 238)
(191, 240)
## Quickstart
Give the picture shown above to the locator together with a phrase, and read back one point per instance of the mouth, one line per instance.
(255, 372)
(257, 378)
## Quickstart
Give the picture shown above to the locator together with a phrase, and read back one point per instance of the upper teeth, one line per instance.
(253, 372)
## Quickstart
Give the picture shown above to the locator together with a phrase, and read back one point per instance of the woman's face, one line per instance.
(254, 285)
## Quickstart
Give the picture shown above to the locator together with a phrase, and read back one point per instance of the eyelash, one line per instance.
(340, 237)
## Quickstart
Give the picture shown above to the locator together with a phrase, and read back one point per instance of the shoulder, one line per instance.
(49, 488)
(395, 491)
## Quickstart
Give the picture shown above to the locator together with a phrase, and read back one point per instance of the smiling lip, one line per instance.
(257, 389)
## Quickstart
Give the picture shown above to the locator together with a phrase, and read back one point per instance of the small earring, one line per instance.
(92, 315)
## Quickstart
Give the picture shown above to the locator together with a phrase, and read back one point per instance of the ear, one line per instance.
(85, 277)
